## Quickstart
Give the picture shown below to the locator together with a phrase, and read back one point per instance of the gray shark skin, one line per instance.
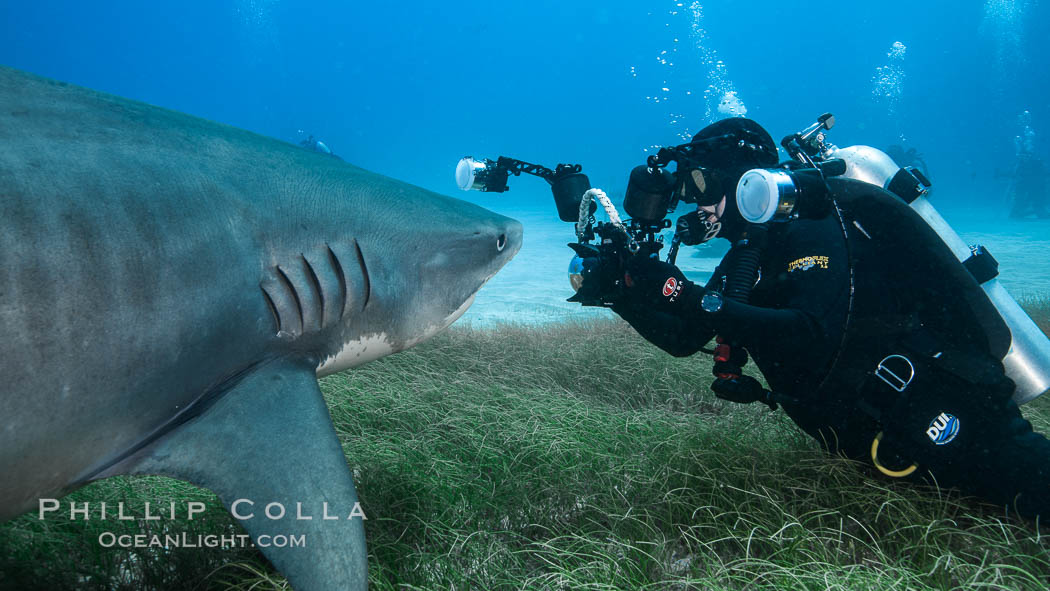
(170, 289)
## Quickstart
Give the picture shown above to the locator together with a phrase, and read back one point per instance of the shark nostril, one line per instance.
(501, 242)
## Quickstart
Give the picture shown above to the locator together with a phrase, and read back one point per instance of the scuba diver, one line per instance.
(871, 335)
(907, 157)
(1030, 190)
(315, 145)
(1029, 186)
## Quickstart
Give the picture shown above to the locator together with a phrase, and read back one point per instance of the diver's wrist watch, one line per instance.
(711, 302)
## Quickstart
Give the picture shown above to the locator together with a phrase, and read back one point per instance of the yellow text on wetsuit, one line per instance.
(805, 263)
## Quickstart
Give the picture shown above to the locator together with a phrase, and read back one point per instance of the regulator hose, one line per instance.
(746, 256)
(746, 260)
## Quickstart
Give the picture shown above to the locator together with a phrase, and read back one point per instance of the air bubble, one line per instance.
(1003, 24)
(888, 81)
(720, 98)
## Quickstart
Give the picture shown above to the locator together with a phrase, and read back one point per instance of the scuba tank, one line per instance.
(1027, 360)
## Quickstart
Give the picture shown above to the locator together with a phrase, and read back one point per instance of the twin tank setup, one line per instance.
(770, 195)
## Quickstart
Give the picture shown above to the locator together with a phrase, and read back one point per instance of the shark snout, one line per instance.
(479, 250)
(500, 241)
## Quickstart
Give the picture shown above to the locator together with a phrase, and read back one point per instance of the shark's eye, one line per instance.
(501, 242)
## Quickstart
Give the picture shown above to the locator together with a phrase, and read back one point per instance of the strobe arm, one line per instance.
(567, 183)
(519, 167)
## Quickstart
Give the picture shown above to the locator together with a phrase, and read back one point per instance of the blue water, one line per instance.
(407, 88)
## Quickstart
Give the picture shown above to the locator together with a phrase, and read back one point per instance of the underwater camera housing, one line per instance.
(597, 270)
(602, 248)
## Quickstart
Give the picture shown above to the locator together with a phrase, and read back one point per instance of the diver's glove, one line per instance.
(661, 285)
(744, 390)
(689, 229)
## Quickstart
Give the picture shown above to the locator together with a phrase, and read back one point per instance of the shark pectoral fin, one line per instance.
(268, 449)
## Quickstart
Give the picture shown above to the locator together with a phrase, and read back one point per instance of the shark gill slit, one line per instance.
(273, 309)
(316, 283)
(338, 267)
(364, 272)
(283, 277)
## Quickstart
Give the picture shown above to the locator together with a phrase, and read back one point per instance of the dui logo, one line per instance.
(943, 429)
(670, 286)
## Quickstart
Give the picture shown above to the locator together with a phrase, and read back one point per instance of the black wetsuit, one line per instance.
(827, 311)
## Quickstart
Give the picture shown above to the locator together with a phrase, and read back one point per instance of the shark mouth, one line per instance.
(376, 345)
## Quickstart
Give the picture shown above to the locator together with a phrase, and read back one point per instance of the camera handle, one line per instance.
(610, 210)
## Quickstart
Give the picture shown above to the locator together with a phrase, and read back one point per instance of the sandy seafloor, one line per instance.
(533, 287)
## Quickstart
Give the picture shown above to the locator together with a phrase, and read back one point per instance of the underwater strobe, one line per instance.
(798, 190)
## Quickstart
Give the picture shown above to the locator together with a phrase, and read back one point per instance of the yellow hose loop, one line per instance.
(891, 473)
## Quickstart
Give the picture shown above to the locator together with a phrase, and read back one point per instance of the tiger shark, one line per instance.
(171, 289)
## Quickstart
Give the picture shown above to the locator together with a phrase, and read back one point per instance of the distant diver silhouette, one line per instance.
(315, 145)
(907, 157)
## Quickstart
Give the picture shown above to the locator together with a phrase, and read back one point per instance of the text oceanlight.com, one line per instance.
(112, 540)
